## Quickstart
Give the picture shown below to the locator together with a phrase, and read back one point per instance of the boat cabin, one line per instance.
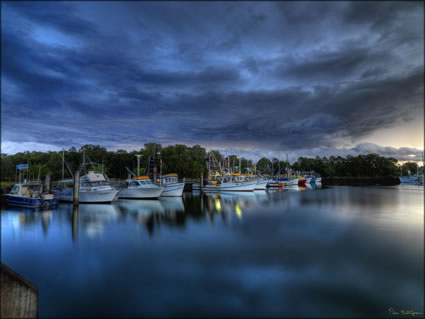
(27, 190)
(138, 181)
(234, 178)
(169, 178)
(93, 179)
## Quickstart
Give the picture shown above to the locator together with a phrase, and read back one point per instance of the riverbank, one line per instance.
(360, 181)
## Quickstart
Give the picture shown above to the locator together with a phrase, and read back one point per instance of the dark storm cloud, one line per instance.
(284, 76)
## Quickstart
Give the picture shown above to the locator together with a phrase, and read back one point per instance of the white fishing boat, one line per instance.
(262, 183)
(140, 187)
(94, 188)
(231, 183)
(411, 180)
(171, 186)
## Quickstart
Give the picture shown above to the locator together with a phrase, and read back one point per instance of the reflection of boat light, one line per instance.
(248, 196)
(217, 204)
(238, 210)
(296, 188)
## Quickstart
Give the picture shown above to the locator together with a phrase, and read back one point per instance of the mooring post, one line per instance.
(201, 185)
(77, 188)
(74, 222)
(47, 183)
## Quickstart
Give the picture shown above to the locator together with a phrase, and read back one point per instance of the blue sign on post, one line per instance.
(22, 166)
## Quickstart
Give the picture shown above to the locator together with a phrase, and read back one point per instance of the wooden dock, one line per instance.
(19, 297)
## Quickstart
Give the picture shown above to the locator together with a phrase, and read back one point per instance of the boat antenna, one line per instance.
(138, 163)
(63, 163)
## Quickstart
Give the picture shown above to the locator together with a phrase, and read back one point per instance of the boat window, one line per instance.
(99, 183)
(85, 184)
(148, 182)
(32, 188)
(142, 182)
(15, 190)
(134, 184)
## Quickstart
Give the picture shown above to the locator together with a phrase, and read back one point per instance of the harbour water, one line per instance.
(338, 251)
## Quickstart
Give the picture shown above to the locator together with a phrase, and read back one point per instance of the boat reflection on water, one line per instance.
(94, 217)
(230, 203)
(153, 213)
(140, 208)
(172, 205)
(314, 185)
(28, 217)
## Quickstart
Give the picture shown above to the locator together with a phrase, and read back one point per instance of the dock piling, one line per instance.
(77, 188)
(47, 183)
(201, 185)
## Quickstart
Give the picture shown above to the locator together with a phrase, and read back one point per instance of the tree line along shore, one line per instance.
(191, 163)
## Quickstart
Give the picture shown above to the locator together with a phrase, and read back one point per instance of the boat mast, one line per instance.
(240, 167)
(278, 163)
(287, 168)
(63, 163)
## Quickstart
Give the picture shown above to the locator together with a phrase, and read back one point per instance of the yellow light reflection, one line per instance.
(218, 205)
(238, 211)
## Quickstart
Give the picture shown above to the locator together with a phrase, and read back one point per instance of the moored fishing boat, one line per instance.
(30, 195)
(261, 183)
(94, 188)
(301, 181)
(231, 183)
(411, 180)
(140, 187)
(171, 186)
(275, 184)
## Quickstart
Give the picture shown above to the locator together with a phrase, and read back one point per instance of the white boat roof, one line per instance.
(91, 176)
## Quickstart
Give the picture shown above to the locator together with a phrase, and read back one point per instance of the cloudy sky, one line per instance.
(296, 78)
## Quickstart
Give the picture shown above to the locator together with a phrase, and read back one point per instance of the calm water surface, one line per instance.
(341, 251)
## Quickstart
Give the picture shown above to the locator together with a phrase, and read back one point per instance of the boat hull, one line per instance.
(261, 184)
(231, 187)
(141, 193)
(103, 196)
(173, 190)
(23, 201)
(301, 182)
(412, 180)
(275, 184)
(106, 196)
